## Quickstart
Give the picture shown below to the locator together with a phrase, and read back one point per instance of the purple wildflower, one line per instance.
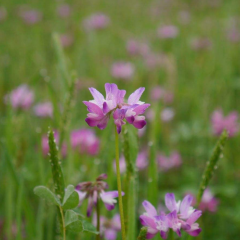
(21, 97)
(122, 164)
(64, 10)
(31, 16)
(136, 48)
(142, 160)
(168, 31)
(96, 21)
(100, 108)
(167, 114)
(122, 70)
(208, 202)
(230, 123)
(3, 14)
(66, 40)
(95, 191)
(44, 110)
(165, 163)
(201, 44)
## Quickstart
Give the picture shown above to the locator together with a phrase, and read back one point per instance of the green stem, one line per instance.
(98, 220)
(63, 224)
(171, 235)
(119, 186)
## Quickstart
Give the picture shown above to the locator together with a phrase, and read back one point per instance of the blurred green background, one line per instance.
(200, 66)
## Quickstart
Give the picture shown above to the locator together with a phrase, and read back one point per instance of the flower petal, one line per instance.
(170, 202)
(98, 97)
(135, 96)
(150, 209)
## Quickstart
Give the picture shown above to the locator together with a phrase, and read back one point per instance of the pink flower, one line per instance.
(142, 160)
(165, 163)
(122, 164)
(159, 93)
(66, 40)
(233, 35)
(201, 44)
(94, 191)
(137, 48)
(100, 108)
(44, 110)
(168, 31)
(31, 16)
(21, 97)
(208, 202)
(85, 141)
(109, 227)
(45, 147)
(122, 70)
(3, 14)
(153, 60)
(96, 21)
(167, 114)
(141, 131)
(64, 10)
(230, 123)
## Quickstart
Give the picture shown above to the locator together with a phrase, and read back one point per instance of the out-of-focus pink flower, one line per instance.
(201, 44)
(96, 21)
(165, 163)
(184, 17)
(31, 16)
(159, 93)
(109, 227)
(122, 70)
(150, 115)
(64, 10)
(45, 147)
(208, 202)
(85, 141)
(230, 123)
(169, 31)
(142, 160)
(136, 48)
(21, 97)
(153, 60)
(122, 164)
(66, 40)
(3, 14)
(44, 109)
(167, 114)
(233, 35)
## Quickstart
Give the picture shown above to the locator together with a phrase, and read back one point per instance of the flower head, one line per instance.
(85, 141)
(136, 48)
(44, 109)
(95, 191)
(96, 21)
(208, 202)
(64, 10)
(165, 163)
(122, 70)
(21, 97)
(168, 31)
(182, 216)
(31, 16)
(101, 108)
(230, 123)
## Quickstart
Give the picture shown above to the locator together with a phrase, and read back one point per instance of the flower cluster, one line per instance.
(100, 108)
(181, 216)
(95, 191)
(173, 161)
(230, 123)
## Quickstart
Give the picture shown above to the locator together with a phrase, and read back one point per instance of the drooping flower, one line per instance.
(100, 108)
(43, 109)
(122, 70)
(31, 16)
(168, 31)
(230, 123)
(208, 202)
(21, 97)
(109, 227)
(165, 163)
(45, 147)
(95, 191)
(96, 21)
(85, 141)
(64, 10)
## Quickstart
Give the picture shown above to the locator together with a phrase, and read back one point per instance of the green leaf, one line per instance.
(88, 227)
(70, 217)
(75, 226)
(143, 233)
(47, 194)
(71, 198)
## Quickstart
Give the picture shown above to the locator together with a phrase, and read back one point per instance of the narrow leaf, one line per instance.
(47, 194)
(211, 164)
(143, 233)
(71, 198)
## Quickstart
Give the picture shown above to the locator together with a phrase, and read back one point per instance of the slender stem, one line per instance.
(171, 235)
(98, 220)
(119, 186)
(63, 224)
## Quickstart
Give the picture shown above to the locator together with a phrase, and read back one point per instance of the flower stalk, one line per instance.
(98, 219)
(119, 185)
